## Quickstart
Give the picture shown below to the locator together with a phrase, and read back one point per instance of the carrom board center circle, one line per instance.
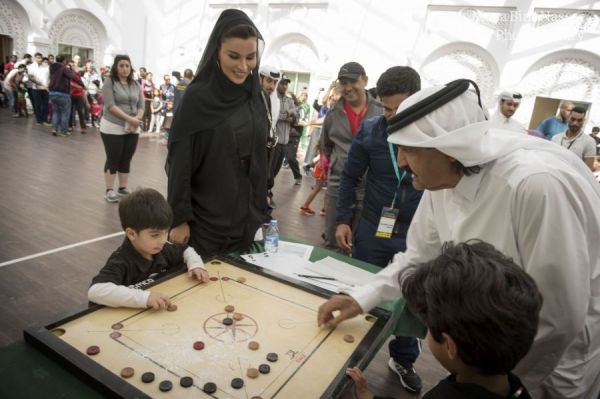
(238, 331)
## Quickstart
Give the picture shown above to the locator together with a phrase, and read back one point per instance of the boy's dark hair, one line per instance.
(479, 297)
(145, 208)
(59, 58)
(578, 109)
(397, 80)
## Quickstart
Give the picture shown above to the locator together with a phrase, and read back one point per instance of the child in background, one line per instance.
(156, 107)
(320, 174)
(95, 111)
(481, 310)
(145, 253)
(22, 100)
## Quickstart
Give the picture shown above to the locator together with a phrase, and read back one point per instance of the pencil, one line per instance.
(316, 277)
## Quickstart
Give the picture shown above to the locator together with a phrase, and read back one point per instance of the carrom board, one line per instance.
(278, 313)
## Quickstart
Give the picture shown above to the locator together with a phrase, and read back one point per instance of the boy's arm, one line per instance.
(107, 287)
(195, 265)
(175, 254)
(113, 295)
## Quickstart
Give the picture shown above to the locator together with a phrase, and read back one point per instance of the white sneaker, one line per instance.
(111, 196)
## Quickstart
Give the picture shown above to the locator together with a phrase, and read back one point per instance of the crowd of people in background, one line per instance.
(65, 92)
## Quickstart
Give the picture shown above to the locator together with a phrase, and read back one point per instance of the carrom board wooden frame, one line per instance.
(111, 384)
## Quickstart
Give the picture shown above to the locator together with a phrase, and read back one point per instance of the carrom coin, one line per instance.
(186, 382)
(210, 387)
(264, 369)
(252, 372)
(237, 383)
(165, 386)
(237, 316)
(198, 345)
(93, 350)
(127, 372)
(148, 377)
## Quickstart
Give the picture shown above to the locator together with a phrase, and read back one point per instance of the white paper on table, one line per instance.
(341, 271)
(301, 250)
(291, 266)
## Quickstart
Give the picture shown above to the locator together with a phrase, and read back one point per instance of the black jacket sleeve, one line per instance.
(179, 173)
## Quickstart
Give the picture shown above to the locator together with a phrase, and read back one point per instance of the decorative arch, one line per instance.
(573, 74)
(80, 28)
(566, 74)
(293, 51)
(462, 60)
(14, 22)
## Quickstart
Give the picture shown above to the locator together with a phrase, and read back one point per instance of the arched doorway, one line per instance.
(78, 32)
(297, 56)
(14, 25)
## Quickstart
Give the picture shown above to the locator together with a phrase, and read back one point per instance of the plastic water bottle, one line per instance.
(272, 237)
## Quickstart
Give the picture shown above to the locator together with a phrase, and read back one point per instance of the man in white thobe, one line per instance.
(508, 104)
(534, 201)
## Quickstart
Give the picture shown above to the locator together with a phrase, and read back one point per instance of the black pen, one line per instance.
(316, 277)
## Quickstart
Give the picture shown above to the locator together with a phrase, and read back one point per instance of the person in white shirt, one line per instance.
(575, 140)
(508, 104)
(40, 72)
(533, 200)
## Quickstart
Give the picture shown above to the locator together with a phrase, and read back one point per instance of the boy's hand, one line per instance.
(158, 300)
(199, 273)
(361, 388)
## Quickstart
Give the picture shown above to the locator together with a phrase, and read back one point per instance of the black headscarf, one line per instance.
(211, 97)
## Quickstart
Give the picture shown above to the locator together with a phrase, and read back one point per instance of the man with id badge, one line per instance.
(389, 204)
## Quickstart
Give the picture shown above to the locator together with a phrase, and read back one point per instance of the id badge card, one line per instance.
(387, 221)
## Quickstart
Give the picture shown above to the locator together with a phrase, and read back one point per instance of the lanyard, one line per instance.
(397, 172)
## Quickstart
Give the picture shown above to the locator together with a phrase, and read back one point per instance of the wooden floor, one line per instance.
(52, 197)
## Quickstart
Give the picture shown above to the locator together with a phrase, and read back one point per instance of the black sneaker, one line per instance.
(409, 378)
(123, 192)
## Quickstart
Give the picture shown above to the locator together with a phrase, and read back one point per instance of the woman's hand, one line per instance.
(180, 234)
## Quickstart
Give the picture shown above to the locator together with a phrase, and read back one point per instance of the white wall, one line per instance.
(541, 47)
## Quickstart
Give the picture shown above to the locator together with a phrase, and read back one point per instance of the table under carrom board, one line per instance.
(210, 344)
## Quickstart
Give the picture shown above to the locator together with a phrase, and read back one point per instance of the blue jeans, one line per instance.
(12, 100)
(61, 108)
(380, 251)
(40, 105)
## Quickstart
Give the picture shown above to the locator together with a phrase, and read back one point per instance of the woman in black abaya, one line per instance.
(216, 164)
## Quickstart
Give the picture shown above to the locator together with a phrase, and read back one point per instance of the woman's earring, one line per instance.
(218, 65)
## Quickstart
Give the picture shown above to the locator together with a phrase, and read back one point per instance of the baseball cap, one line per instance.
(270, 71)
(285, 79)
(351, 70)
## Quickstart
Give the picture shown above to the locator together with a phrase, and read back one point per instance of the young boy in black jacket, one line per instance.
(145, 253)
(481, 310)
